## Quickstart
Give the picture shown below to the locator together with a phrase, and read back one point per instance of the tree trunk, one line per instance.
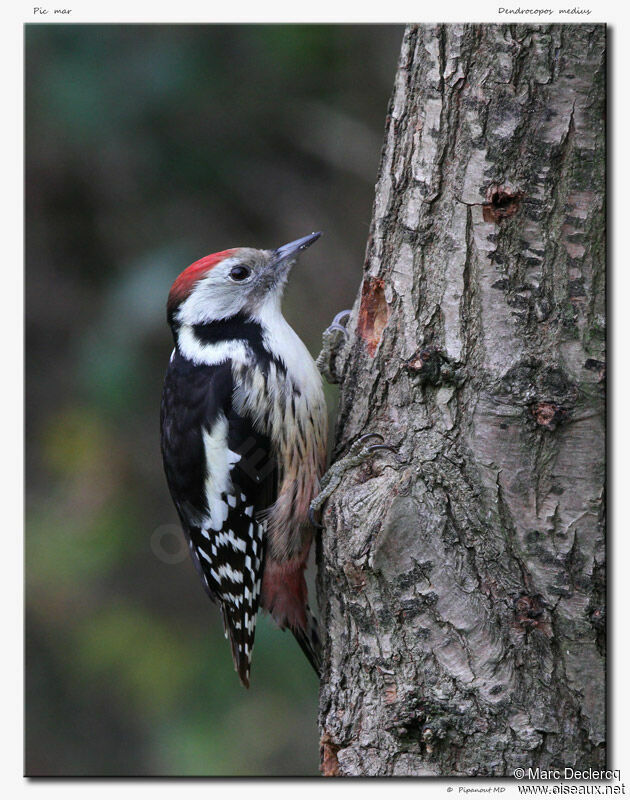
(461, 578)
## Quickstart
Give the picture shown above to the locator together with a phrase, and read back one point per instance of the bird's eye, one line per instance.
(240, 273)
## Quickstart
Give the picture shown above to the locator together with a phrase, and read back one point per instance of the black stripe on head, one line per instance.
(236, 327)
(240, 328)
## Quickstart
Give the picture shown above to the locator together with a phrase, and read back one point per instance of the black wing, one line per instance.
(219, 517)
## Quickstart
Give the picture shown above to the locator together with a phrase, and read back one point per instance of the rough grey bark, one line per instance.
(462, 579)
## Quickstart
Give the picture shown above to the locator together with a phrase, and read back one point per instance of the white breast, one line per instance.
(284, 343)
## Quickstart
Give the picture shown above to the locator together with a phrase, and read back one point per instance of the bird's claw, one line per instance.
(359, 446)
(370, 436)
(336, 325)
(355, 456)
(312, 520)
(374, 447)
(331, 345)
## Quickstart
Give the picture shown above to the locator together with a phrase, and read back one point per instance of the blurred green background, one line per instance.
(149, 146)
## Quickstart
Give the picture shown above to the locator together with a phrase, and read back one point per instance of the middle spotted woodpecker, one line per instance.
(244, 428)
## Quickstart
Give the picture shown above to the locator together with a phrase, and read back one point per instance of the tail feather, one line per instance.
(309, 641)
(307, 637)
(284, 596)
(241, 643)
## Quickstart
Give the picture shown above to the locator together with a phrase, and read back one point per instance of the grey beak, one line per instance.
(296, 247)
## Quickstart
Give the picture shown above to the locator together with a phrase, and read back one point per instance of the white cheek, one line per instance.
(214, 297)
(208, 302)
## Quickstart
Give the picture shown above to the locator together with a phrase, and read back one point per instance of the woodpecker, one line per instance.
(243, 434)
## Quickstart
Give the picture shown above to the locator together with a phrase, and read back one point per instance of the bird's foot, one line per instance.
(359, 452)
(332, 339)
(336, 325)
